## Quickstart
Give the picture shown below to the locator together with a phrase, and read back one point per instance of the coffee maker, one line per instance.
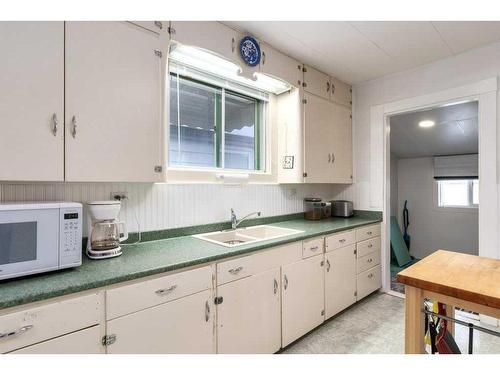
(105, 232)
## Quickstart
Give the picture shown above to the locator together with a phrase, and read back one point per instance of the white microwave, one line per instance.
(39, 237)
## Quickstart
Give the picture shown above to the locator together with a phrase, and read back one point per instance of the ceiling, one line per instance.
(455, 132)
(359, 51)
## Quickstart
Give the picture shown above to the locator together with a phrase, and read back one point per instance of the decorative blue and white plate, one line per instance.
(250, 50)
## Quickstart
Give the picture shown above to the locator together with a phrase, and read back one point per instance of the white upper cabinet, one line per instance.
(279, 65)
(340, 92)
(341, 144)
(155, 26)
(316, 82)
(113, 102)
(32, 101)
(210, 35)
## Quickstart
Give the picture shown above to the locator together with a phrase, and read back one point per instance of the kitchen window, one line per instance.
(215, 124)
(458, 193)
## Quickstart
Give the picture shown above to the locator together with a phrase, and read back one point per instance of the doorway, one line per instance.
(434, 183)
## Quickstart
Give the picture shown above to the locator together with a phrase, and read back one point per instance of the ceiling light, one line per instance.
(212, 63)
(426, 124)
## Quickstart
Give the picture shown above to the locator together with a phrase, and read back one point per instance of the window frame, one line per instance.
(470, 208)
(261, 149)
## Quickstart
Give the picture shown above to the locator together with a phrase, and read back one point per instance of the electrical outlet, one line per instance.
(119, 195)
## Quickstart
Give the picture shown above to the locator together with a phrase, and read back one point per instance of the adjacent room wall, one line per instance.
(394, 187)
(432, 228)
(161, 206)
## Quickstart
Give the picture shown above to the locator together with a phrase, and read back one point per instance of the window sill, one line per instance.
(212, 176)
(454, 210)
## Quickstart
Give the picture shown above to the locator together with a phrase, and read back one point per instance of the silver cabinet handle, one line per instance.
(73, 123)
(327, 86)
(333, 157)
(286, 282)
(370, 232)
(235, 271)
(370, 260)
(327, 265)
(342, 240)
(314, 248)
(162, 292)
(370, 245)
(15, 333)
(207, 311)
(275, 286)
(233, 45)
(370, 275)
(329, 158)
(55, 124)
(332, 88)
(263, 57)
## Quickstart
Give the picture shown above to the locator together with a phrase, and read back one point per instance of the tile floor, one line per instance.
(375, 325)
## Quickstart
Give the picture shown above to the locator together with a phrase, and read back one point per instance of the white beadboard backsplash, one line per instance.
(162, 206)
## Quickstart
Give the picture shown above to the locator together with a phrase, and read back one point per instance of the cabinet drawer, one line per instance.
(86, 341)
(143, 294)
(368, 261)
(238, 268)
(340, 240)
(33, 325)
(369, 281)
(367, 232)
(369, 246)
(312, 247)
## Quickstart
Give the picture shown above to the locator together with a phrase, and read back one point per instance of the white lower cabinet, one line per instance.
(303, 298)
(185, 325)
(86, 341)
(249, 316)
(340, 280)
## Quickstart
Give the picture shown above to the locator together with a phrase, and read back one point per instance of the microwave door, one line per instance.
(29, 242)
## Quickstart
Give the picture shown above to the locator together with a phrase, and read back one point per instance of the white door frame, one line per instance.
(485, 92)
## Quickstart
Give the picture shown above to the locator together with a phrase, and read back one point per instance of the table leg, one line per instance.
(414, 321)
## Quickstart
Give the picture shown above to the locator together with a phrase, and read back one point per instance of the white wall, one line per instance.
(466, 68)
(161, 206)
(432, 228)
(394, 187)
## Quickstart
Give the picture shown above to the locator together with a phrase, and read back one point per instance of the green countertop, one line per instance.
(153, 257)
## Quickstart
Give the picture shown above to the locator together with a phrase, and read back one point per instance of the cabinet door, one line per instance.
(316, 82)
(32, 101)
(185, 325)
(279, 65)
(318, 139)
(210, 35)
(341, 144)
(113, 90)
(249, 318)
(340, 280)
(303, 298)
(86, 341)
(340, 92)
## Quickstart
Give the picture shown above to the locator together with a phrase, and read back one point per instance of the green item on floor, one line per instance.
(398, 245)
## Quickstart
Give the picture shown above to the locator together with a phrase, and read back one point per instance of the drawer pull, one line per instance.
(162, 292)
(342, 240)
(370, 275)
(370, 245)
(327, 265)
(235, 271)
(314, 248)
(275, 286)
(369, 233)
(207, 311)
(17, 332)
(370, 260)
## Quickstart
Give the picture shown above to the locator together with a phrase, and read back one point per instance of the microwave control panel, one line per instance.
(70, 254)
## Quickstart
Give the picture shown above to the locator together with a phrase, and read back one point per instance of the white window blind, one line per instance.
(456, 167)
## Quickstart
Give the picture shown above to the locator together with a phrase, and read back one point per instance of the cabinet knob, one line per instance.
(327, 86)
(263, 57)
(55, 124)
(275, 286)
(327, 265)
(73, 123)
(370, 275)
(233, 45)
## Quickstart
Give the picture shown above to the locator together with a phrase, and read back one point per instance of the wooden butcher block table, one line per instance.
(467, 281)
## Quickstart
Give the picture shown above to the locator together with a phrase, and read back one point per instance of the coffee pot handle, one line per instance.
(123, 231)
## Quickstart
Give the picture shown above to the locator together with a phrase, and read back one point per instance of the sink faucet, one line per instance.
(235, 222)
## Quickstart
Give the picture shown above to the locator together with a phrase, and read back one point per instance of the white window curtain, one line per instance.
(456, 167)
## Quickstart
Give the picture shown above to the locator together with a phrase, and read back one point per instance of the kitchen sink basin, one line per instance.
(243, 236)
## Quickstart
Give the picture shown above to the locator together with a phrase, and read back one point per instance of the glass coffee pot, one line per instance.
(107, 235)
